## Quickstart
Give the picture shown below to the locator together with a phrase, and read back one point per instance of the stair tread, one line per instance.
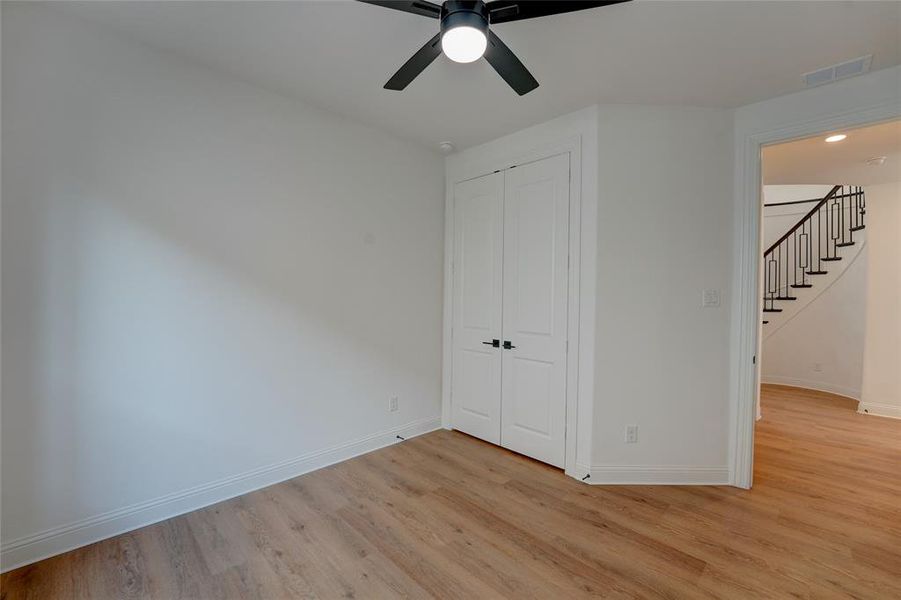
(802, 285)
(845, 244)
(765, 322)
(858, 228)
(817, 272)
(784, 298)
(831, 258)
(772, 310)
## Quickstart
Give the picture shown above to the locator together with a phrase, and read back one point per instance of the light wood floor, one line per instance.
(445, 515)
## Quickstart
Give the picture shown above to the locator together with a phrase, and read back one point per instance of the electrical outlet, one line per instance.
(631, 434)
(392, 404)
(818, 367)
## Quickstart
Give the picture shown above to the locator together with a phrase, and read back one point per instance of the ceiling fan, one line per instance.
(464, 34)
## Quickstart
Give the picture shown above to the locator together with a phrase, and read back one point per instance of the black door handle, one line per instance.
(493, 343)
(508, 345)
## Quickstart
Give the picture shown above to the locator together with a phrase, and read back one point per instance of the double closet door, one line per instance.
(510, 266)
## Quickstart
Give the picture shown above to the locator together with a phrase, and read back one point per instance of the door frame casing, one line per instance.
(874, 98)
(575, 134)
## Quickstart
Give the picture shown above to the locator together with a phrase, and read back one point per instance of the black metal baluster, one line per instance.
(779, 270)
(795, 247)
(820, 213)
(796, 261)
(848, 218)
(863, 209)
(805, 242)
(859, 197)
(787, 258)
(784, 263)
(836, 226)
(788, 264)
(841, 211)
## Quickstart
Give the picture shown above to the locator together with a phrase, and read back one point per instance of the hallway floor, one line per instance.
(448, 516)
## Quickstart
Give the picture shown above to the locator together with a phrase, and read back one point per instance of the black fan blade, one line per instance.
(503, 11)
(416, 65)
(417, 7)
(508, 66)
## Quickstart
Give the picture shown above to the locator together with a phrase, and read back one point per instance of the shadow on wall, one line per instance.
(173, 328)
(199, 278)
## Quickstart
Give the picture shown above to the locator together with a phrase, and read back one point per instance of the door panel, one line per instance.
(535, 280)
(477, 308)
(476, 393)
(532, 383)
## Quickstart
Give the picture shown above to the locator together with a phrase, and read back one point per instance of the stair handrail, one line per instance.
(798, 225)
(816, 238)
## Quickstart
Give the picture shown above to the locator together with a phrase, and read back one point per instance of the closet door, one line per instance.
(536, 249)
(478, 255)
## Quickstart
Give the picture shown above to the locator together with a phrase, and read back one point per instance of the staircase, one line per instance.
(797, 266)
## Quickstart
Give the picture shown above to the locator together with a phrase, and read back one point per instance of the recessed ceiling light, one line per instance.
(876, 161)
(836, 138)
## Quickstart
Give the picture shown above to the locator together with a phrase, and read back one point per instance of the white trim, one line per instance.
(576, 134)
(819, 386)
(583, 472)
(659, 475)
(875, 409)
(849, 103)
(29, 549)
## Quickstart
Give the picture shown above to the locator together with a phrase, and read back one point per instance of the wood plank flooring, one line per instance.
(447, 516)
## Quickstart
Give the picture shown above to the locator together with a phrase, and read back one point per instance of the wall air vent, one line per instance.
(843, 70)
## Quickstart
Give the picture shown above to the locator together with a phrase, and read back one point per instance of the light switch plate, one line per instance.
(710, 298)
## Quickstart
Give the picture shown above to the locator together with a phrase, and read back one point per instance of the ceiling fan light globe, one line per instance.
(464, 44)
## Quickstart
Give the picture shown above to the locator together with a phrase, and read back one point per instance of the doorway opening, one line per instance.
(829, 342)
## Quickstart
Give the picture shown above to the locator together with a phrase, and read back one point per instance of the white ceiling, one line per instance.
(812, 160)
(337, 54)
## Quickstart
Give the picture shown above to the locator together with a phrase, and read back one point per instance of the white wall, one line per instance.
(205, 285)
(779, 219)
(882, 353)
(664, 235)
(664, 220)
(821, 347)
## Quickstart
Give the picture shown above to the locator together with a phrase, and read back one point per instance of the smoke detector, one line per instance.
(446, 147)
(850, 68)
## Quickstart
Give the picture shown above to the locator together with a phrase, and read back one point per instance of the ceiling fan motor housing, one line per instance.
(461, 13)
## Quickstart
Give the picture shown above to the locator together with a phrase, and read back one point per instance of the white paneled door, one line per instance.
(536, 250)
(510, 285)
(477, 303)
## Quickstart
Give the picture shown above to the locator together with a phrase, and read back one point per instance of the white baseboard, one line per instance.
(658, 475)
(820, 386)
(581, 472)
(880, 410)
(44, 544)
